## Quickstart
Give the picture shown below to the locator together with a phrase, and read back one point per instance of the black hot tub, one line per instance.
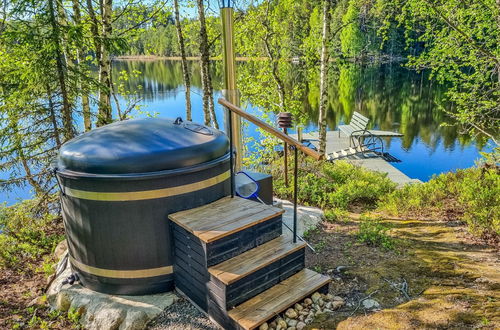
(119, 183)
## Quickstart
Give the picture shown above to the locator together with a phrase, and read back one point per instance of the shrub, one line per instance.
(29, 230)
(374, 232)
(471, 195)
(338, 185)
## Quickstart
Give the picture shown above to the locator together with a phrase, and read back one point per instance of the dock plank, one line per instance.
(336, 143)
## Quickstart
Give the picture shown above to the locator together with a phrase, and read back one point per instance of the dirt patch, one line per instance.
(436, 277)
(22, 301)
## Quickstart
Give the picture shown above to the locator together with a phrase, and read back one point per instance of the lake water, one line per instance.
(394, 99)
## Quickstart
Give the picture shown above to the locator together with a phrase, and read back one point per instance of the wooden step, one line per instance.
(240, 266)
(266, 305)
(224, 217)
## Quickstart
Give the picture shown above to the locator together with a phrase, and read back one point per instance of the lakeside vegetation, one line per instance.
(470, 196)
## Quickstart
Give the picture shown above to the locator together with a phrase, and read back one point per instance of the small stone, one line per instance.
(370, 304)
(337, 298)
(281, 324)
(302, 317)
(301, 325)
(326, 310)
(315, 297)
(308, 320)
(298, 307)
(321, 302)
(292, 323)
(291, 313)
(264, 326)
(329, 296)
(291, 328)
(308, 301)
(303, 312)
(336, 304)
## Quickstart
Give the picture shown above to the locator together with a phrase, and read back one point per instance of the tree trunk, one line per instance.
(274, 61)
(104, 112)
(185, 69)
(61, 74)
(53, 118)
(18, 138)
(274, 71)
(80, 59)
(323, 83)
(206, 81)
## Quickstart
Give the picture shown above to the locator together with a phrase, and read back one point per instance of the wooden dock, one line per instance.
(370, 161)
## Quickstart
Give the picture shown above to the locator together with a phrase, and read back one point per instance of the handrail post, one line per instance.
(295, 184)
(231, 151)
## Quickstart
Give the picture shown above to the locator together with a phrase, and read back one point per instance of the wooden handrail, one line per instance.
(268, 128)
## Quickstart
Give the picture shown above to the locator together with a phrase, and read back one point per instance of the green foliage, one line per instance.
(310, 232)
(74, 316)
(460, 46)
(471, 195)
(28, 232)
(352, 38)
(334, 185)
(335, 214)
(374, 232)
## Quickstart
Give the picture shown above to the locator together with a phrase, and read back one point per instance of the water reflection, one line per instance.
(394, 98)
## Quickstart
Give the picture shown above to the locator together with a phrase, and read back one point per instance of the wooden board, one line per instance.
(224, 217)
(266, 305)
(238, 267)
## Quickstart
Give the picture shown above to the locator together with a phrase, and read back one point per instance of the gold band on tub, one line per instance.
(128, 274)
(146, 194)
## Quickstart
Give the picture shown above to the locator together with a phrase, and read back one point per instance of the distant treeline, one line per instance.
(359, 28)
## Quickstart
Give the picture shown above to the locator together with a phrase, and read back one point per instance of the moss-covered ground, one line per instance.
(452, 280)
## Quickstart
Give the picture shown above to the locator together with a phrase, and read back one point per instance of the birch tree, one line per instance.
(104, 112)
(206, 80)
(185, 69)
(82, 67)
(323, 103)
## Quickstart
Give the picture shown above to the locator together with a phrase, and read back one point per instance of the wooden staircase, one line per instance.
(233, 262)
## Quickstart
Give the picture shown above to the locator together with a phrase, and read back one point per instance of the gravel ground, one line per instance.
(182, 315)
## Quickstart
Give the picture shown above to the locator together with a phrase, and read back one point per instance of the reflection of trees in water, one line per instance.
(160, 77)
(392, 97)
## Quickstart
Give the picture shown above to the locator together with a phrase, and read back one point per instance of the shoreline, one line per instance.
(361, 60)
(178, 58)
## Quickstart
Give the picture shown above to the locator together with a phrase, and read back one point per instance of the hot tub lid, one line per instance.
(142, 145)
